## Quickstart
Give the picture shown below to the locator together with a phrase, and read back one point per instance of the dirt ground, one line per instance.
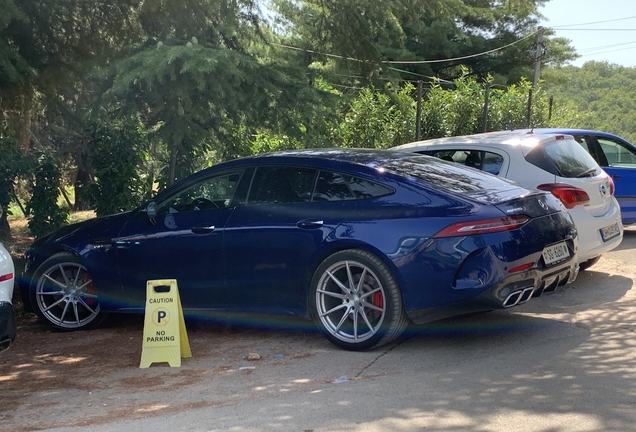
(52, 379)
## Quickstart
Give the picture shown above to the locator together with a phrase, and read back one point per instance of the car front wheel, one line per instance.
(64, 294)
(356, 302)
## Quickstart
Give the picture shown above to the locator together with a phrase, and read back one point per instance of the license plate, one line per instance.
(610, 231)
(555, 253)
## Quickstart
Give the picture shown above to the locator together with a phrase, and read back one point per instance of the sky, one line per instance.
(611, 38)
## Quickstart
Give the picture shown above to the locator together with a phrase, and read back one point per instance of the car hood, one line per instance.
(90, 230)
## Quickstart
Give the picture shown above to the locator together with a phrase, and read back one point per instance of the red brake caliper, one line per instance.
(90, 289)
(378, 300)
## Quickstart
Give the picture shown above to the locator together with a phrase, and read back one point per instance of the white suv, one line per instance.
(552, 162)
(7, 314)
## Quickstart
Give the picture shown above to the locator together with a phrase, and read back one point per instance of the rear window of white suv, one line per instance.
(564, 158)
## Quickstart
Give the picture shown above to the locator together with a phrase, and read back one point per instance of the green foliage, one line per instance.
(118, 186)
(46, 214)
(448, 112)
(597, 96)
(460, 110)
(264, 143)
(193, 95)
(12, 165)
(378, 120)
(15, 72)
(366, 34)
(212, 80)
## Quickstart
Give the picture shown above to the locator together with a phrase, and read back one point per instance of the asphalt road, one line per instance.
(563, 362)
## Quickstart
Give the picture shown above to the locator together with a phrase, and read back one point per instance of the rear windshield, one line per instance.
(564, 158)
(447, 175)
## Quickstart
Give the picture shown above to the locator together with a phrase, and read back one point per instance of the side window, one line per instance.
(483, 160)
(587, 142)
(492, 162)
(331, 187)
(617, 153)
(363, 189)
(446, 155)
(278, 185)
(209, 193)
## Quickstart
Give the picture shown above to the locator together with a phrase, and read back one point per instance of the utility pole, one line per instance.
(419, 111)
(537, 58)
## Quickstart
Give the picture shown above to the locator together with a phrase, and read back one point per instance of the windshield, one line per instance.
(564, 158)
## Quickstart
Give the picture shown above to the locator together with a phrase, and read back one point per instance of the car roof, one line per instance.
(359, 161)
(362, 157)
(572, 131)
(522, 139)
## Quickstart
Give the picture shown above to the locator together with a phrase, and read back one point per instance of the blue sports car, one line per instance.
(361, 241)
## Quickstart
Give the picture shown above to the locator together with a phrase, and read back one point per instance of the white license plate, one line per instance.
(610, 231)
(555, 253)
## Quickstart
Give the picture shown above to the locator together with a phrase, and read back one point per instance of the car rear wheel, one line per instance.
(356, 301)
(64, 294)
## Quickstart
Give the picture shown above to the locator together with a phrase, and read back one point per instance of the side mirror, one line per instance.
(151, 210)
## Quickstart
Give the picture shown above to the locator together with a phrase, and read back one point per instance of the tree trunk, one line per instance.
(5, 229)
(173, 165)
(82, 200)
(83, 179)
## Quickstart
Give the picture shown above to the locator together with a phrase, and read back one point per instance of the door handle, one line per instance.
(309, 223)
(616, 176)
(202, 229)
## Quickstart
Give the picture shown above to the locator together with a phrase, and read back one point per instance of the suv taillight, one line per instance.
(569, 195)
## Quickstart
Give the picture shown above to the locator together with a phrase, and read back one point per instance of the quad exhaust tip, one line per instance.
(518, 297)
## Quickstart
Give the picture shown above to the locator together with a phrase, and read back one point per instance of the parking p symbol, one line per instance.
(161, 314)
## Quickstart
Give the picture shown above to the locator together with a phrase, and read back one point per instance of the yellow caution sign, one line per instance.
(165, 336)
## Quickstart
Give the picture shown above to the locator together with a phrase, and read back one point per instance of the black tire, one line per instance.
(64, 296)
(354, 315)
(589, 263)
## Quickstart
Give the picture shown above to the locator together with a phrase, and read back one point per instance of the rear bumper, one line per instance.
(7, 325)
(512, 291)
(591, 242)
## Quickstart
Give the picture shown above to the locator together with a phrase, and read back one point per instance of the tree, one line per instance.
(118, 186)
(46, 214)
(375, 120)
(601, 94)
(402, 39)
(201, 73)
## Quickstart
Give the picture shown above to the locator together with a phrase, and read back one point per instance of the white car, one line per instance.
(552, 162)
(7, 314)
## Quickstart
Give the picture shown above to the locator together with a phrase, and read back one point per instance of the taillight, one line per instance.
(569, 195)
(483, 226)
(521, 267)
(6, 277)
(611, 182)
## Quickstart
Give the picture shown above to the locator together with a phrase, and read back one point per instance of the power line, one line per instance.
(423, 76)
(594, 22)
(607, 46)
(464, 57)
(410, 61)
(594, 29)
(604, 52)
